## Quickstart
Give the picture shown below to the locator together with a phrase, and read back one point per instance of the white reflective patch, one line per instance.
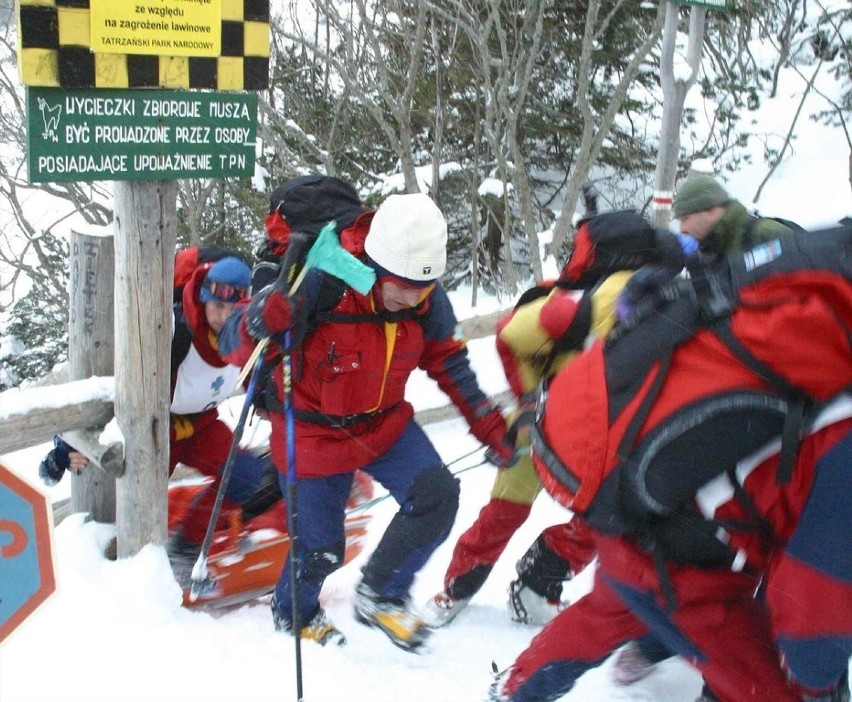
(762, 254)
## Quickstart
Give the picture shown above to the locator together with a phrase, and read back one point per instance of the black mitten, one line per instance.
(55, 463)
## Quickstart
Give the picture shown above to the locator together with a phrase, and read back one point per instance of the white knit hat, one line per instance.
(408, 237)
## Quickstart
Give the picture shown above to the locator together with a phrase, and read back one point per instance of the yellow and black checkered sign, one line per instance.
(54, 51)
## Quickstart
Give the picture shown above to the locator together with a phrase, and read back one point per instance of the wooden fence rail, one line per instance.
(44, 411)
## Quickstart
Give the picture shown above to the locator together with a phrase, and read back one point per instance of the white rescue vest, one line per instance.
(200, 386)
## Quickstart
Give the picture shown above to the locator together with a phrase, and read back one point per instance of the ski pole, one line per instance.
(292, 510)
(199, 577)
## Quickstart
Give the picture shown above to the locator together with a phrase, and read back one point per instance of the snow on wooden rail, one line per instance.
(76, 409)
(79, 409)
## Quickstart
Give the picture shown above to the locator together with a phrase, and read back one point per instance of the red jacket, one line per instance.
(355, 372)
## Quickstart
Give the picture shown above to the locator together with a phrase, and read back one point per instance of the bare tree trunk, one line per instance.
(675, 89)
(597, 127)
(475, 203)
(91, 352)
(438, 132)
(145, 248)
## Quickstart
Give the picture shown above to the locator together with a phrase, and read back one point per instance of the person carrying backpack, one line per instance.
(550, 324)
(206, 290)
(628, 434)
(720, 224)
(712, 226)
(350, 367)
(201, 380)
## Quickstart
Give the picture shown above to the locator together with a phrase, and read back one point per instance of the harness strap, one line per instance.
(555, 466)
(336, 421)
(644, 408)
(794, 421)
(378, 316)
(182, 339)
(665, 579)
(759, 523)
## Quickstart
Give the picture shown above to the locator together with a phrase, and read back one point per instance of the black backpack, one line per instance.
(298, 210)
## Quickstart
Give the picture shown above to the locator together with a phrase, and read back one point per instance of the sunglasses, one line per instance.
(225, 291)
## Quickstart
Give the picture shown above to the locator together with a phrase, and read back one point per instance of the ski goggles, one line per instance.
(226, 292)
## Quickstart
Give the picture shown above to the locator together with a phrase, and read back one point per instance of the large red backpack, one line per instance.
(636, 424)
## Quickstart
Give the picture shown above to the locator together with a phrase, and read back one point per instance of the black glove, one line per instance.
(641, 289)
(55, 463)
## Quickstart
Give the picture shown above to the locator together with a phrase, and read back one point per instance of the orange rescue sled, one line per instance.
(246, 560)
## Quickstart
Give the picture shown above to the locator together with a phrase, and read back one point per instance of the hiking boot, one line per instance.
(442, 609)
(182, 554)
(839, 694)
(318, 629)
(631, 666)
(391, 616)
(528, 607)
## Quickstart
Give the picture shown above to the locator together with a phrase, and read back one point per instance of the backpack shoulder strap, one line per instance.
(748, 232)
(182, 339)
(331, 292)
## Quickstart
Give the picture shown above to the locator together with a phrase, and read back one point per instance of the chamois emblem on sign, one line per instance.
(50, 116)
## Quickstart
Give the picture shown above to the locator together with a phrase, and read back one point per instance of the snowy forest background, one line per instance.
(500, 109)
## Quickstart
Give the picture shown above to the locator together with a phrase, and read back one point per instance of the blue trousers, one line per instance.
(812, 584)
(427, 493)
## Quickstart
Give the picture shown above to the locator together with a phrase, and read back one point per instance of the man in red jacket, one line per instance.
(686, 565)
(348, 398)
(201, 380)
(717, 624)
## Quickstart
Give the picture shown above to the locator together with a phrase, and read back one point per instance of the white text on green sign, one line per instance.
(81, 135)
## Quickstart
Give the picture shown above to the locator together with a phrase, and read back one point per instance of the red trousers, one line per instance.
(206, 450)
(718, 624)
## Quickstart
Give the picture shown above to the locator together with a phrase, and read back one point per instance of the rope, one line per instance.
(376, 500)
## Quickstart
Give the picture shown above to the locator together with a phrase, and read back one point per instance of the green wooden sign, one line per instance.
(98, 134)
(712, 4)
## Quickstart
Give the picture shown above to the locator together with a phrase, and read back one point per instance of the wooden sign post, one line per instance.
(145, 217)
(91, 352)
(88, 120)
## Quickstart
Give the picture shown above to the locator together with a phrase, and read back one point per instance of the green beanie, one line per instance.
(698, 193)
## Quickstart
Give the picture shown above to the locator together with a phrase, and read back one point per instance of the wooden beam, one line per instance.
(36, 425)
(91, 352)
